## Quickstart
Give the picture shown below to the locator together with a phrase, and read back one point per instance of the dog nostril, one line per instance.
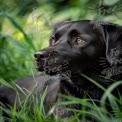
(40, 54)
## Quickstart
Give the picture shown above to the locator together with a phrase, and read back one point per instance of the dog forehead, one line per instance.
(82, 26)
(63, 27)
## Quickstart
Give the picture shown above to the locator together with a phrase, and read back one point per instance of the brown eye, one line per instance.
(79, 41)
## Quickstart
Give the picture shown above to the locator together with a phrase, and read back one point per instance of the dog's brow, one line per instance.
(62, 30)
(59, 33)
(73, 32)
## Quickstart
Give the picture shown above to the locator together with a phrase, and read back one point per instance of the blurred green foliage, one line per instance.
(25, 26)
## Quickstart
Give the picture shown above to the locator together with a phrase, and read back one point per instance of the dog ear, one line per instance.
(113, 41)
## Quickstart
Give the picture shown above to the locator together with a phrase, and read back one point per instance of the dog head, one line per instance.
(77, 45)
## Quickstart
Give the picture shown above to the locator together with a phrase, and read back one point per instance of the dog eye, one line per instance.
(79, 41)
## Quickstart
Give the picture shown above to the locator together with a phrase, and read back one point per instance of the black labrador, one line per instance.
(77, 49)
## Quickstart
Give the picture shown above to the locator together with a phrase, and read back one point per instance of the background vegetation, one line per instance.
(25, 27)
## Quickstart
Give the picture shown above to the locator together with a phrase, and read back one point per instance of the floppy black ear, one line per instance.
(113, 40)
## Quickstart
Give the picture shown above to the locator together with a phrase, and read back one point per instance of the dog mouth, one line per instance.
(39, 63)
(52, 65)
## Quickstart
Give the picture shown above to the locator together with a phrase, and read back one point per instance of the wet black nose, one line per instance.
(40, 54)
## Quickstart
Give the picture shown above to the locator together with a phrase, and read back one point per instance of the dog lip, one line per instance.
(40, 68)
(39, 64)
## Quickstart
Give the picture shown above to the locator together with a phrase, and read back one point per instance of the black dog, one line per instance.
(76, 48)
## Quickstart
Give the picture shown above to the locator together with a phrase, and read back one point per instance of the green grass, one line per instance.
(88, 109)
